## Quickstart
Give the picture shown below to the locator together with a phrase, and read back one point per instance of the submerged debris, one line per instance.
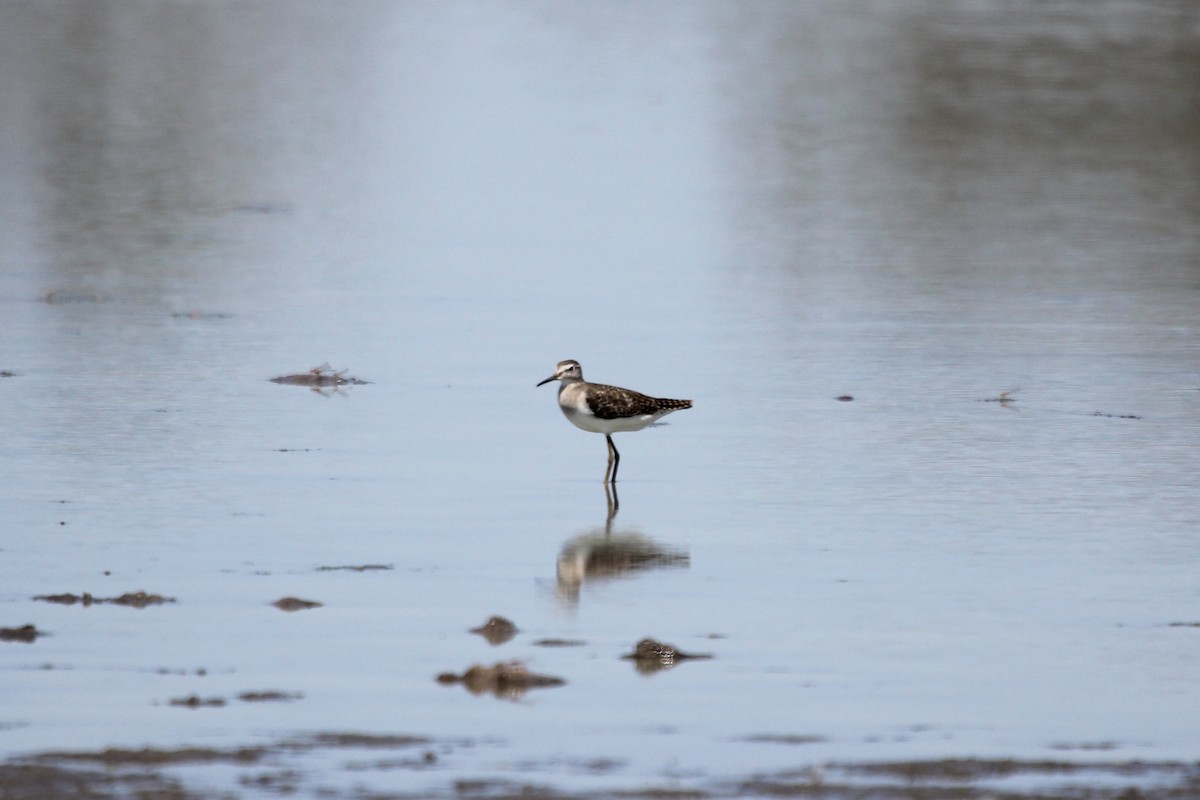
(295, 604)
(319, 377)
(503, 679)
(650, 655)
(1004, 398)
(132, 599)
(26, 633)
(497, 630)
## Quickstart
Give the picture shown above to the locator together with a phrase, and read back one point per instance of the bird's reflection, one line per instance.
(605, 553)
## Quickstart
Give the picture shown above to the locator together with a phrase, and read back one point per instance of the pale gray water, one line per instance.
(760, 206)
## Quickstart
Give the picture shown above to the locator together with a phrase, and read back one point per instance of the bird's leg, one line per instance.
(614, 460)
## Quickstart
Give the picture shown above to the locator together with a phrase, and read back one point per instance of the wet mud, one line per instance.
(509, 680)
(497, 630)
(195, 701)
(130, 599)
(976, 779)
(25, 633)
(269, 696)
(273, 767)
(295, 604)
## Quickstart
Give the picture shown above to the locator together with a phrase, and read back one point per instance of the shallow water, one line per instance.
(762, 207)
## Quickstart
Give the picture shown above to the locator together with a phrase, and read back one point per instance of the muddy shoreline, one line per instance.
(278, 769)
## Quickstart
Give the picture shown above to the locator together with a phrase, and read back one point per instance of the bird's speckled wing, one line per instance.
(611, 402)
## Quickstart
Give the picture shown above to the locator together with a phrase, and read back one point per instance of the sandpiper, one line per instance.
(606, 409)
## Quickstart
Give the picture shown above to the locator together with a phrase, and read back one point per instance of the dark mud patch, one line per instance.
(4, 373)
(417, 753)
(560, 643)
(977, 779)
(26, 634)
(280, 782)
(1107, 415)
(195, 701)
(844, 398)
(650, 655)
(46, 782)
(295, 604)
(417, 761)
(962, 769)
(270, 696)
(130, 599)
(199, 671)
(357, 568)
(387, 741)
(509, 680)
(783, 738)
(278, 769)
(115, 757)
(497, 629)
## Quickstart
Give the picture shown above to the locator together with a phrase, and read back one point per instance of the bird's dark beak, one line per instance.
(552, 377)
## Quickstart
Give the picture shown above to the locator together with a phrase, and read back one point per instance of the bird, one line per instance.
(598, 408)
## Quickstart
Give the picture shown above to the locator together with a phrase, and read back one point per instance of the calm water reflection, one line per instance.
(608, 552)
(762, 206)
